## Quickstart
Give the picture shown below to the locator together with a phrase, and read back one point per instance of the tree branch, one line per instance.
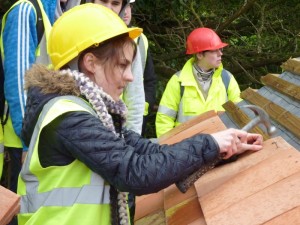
(244, 8)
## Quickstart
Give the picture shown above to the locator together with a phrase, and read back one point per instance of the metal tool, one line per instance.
(261, 118)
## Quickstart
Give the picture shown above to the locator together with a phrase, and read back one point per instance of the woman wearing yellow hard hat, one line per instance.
(81, 161)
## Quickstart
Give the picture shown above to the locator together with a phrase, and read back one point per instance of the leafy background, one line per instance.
(262, 34)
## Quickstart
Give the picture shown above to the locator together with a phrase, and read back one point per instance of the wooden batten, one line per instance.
(287, 88)
(163, 139)
(252, 192)
(184, 213)
(174, 197)
(208, 126)
(9, 205)
(240, 118)
(288, 216)
(292, 65)
(156, 218)
(276, 112)
(262, 206)
(219, 175)
(258, 188)
(148, 205)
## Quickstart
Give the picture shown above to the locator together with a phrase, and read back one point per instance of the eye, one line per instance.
(123, 66)
(116, 3)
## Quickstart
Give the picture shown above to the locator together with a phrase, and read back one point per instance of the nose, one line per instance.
(128, 76)
(220, 51)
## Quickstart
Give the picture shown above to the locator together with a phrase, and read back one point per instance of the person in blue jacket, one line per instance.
(20, 49)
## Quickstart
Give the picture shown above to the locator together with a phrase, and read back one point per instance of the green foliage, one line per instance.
(261, 34)
(5, 5)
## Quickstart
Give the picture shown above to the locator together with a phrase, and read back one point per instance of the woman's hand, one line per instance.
(233, 141)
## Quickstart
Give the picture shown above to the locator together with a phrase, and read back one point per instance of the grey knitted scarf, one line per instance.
(103, 104)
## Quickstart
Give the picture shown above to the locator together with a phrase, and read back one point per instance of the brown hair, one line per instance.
(110, 51)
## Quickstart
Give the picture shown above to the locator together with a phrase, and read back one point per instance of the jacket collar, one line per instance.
(187, 77)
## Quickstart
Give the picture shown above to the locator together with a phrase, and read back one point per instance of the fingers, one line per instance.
(251, 147)
(242, 135)
(253, 143)
(230, 149)
(233, 141)
(255, 139)
(232, 144)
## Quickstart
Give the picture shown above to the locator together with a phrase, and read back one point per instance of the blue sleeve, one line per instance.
(20, 43)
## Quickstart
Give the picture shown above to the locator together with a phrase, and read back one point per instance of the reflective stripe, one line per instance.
(94, 193)
(143, 51)
(146, 110)
(143, 47)
(31, 202)
(42, 56)
(180, 117)
(167, 111)
(178, 74)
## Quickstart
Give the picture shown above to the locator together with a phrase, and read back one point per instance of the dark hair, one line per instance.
(111, 50)
(93, 1)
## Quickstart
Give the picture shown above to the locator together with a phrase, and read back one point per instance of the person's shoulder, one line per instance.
(175, 78)
(20, 15)
(227, 73)
(20, 9)
(144, 36)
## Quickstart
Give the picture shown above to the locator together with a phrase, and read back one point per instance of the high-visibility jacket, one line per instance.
(175, 109)
(69, 195)
(11, 137)
(143, 45)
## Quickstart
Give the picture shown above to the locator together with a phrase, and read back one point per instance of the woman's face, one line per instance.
(210, 59)
(114, 78)
(114, 5)
(127, 14)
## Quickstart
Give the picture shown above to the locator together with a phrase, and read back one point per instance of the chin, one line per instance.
(115, 99)
(218, 64)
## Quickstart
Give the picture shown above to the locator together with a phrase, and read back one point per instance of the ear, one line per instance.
(88, 63)
(199, 55)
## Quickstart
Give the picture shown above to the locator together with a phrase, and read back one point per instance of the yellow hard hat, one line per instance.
(82, 27)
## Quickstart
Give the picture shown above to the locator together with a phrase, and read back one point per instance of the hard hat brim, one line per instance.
(222, 45)
(135, 32)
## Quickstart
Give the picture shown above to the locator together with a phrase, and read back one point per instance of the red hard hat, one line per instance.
(203, 39)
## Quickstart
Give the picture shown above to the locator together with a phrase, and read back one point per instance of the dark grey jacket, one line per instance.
(131, 164)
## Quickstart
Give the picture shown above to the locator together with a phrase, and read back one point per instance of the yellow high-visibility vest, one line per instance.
(69, 195)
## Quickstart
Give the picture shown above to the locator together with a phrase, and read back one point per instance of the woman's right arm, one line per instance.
(81, 136)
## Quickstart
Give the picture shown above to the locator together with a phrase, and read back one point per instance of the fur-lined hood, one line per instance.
(43, 84)
(50, 81)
